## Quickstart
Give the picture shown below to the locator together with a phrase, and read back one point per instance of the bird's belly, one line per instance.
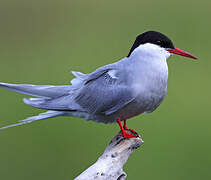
(150, 101)
(143, 104)
(148, 98)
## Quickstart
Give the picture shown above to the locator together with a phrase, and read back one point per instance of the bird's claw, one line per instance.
(127, 135)
(131, 130)
(124, 130)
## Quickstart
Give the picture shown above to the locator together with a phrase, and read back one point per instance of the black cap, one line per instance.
(152, 37)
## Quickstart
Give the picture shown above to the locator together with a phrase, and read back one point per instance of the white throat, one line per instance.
(150, 72)
(150, 66)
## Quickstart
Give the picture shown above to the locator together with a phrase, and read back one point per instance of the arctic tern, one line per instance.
(113, 93)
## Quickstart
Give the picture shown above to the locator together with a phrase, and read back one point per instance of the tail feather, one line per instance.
(41, 116)
(46, 91)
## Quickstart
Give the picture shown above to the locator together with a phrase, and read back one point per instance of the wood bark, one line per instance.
(110, 165)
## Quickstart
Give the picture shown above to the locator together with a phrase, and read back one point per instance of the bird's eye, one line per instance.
(159, 42)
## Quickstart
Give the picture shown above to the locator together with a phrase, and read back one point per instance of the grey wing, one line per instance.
(105, 91)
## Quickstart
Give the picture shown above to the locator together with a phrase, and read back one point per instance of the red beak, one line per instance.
(181, 53)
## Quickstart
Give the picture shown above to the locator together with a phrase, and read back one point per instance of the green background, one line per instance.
(41, 41)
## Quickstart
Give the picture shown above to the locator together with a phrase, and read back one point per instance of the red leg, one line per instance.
(125, 127)
(125, 134)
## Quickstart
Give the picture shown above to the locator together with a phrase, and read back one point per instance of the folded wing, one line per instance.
(103, 91)
(106, 92)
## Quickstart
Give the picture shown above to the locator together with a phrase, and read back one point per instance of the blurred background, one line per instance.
(42, 41)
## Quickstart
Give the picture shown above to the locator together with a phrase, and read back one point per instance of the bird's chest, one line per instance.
(150, 86)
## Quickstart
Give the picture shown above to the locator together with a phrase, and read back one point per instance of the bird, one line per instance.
(115, 92)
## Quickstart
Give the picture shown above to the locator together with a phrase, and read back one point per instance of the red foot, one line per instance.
(125, 127)
(125, 134)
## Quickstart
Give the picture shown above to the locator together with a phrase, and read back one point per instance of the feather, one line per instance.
(37, 90)
(103, 93)
(41, 116)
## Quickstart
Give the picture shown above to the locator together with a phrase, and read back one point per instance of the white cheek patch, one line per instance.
(148, 50)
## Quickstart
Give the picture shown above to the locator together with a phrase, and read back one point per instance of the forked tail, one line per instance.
(46, 91)
(41, 116)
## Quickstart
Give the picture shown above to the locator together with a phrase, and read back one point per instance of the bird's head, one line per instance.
(152, 40)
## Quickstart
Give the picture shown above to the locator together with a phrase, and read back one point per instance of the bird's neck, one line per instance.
(149, 53)
(149, 65)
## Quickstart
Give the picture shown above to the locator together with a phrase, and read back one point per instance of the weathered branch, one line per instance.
(109, 165)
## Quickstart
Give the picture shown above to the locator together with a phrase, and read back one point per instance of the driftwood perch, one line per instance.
(110, 165)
